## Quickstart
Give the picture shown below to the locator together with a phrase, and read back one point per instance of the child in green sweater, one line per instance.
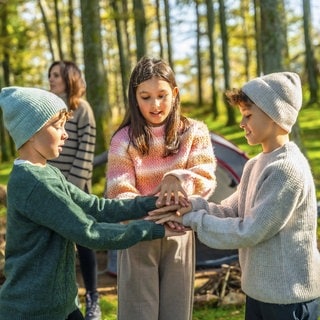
(47, 215)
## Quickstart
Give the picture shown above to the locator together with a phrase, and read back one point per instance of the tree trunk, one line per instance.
(123, 52)
(126, 30)
(311, 64)
(273, 37)
(59, 39)
(72, 31)
(210, 21)
(231, 118)
(97, 86)
(47, 30)
(6, 151)
(168, 32)
(257, 27)
(274, 46)
(244, 9)
(158, 17)
(199, 67)
(140, 27)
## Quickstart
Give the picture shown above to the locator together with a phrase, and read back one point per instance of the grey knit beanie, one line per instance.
(26, 110)
(279, 95)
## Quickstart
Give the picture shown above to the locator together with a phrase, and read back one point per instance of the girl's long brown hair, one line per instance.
(139, 131)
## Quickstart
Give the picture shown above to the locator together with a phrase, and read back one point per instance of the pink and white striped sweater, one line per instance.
(131, 174)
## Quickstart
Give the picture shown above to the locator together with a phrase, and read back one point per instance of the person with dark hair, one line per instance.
(272, 217)
(76, 160)
(157, 150)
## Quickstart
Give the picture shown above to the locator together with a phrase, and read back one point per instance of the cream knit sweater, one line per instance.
(272, 219)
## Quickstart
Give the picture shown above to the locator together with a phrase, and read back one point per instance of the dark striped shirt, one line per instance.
(76, 158)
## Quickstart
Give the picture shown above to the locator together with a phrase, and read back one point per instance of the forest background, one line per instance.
(212, 45)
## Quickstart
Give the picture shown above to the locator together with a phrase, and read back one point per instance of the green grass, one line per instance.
(5, 169)
(221, 313)
(108, 305)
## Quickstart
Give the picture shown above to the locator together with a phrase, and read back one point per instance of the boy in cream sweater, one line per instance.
(272, 217)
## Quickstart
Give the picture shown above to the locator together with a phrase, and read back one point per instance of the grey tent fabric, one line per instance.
(230, 163)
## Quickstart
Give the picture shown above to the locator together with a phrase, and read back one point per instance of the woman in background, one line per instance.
(76, 160)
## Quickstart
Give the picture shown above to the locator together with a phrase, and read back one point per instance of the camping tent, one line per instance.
(230, 163)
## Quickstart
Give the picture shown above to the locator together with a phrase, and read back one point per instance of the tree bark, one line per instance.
(59, 37)
(231, 118)
(95, 74)
(199, 66)
(210, 24)
(311, 63)
(123, 52)
(47, 30)
(140, 27)
(72, 31)
(273, 37)
(168, 32)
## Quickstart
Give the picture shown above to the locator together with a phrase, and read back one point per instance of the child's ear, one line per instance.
(175, 91)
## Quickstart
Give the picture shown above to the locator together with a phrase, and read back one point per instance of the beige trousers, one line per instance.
(156, 279)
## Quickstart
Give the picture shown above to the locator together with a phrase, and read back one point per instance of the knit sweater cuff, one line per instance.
(198, 203)
(190, 219)
(158, 231)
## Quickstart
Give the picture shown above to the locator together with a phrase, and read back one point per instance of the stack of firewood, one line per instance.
(222, 287)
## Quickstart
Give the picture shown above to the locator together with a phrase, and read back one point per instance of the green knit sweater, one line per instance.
(46, 216)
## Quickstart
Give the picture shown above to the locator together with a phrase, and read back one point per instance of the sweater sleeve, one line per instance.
(198, 177)
(276, 200)
(121, 176)
(88, 220)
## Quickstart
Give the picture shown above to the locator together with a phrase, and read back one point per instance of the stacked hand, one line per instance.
(172, 204)
(170, 189)
(172, 213)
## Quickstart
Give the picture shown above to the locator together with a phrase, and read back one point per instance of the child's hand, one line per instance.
(165, 217)
(178, 209)
(170, 190)
(183, 202)
(177, 230)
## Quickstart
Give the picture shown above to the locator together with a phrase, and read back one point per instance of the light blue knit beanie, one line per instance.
(26, 110)
(277, 94)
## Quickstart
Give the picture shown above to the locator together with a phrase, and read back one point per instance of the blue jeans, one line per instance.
(257, 310)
